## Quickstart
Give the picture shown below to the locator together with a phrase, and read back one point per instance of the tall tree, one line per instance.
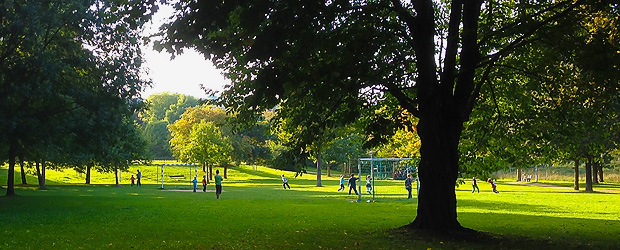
(54, 57)
(323, 62)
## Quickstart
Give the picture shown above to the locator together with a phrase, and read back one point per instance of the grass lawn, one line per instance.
(255, 212)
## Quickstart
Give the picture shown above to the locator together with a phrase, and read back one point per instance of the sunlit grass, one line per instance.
(256, 212)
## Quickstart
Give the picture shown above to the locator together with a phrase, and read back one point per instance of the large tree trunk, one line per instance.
(519, 174)
(10, 185)
(438, 172)
(225, 171)
(589, 173)
(576, 182)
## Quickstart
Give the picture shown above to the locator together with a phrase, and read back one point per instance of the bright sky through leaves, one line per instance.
(184, 74)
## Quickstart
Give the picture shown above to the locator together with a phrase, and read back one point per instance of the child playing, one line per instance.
(493, 185)
(195, 182)
(285, 182)
(132, 180)
(341, 183)
(368, 184)
(204, 184)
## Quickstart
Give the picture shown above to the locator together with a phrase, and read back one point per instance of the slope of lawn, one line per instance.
(254, 212)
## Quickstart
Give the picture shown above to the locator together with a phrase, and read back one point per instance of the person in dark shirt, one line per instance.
(408, 183)
(352, 184)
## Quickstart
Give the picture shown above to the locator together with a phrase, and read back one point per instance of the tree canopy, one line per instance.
(327, 63)
(68, 68)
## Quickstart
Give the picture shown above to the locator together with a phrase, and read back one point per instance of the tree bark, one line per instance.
(438, 172)
(23, 171)
(10, 185)
(116, 176)
(600, 173)
(43, 182)
(225, 171)
(595, 165)
(519, 174)
(318, 169)
(329, 174)
(589, 173)
(206, 171)
(40, 167)
(576, 182)
(210, 172)
(88, 173)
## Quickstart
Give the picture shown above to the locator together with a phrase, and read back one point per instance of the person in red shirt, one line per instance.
(204, 184)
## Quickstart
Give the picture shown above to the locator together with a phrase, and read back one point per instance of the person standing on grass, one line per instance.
(493, 185)
(368, 184)
(285, 182)
(408, 183)
(341, 183)
(139, 177)
(352, 184)
(474, 185)
(195, 183)
(204, 183)
(133, 179)
(218, 183)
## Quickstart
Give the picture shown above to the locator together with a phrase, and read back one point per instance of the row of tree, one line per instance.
(177, 126)
(69, 79)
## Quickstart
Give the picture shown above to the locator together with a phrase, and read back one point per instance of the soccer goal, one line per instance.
(178, 174)
(384, 170)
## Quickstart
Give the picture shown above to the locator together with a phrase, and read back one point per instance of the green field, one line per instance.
(256, 213)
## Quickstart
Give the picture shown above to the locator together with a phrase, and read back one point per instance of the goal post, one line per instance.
(177, 172)
(383, 169)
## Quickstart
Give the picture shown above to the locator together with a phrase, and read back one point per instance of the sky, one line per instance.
(182, 75)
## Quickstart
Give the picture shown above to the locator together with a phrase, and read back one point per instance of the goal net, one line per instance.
(179, 175)
(386, 176)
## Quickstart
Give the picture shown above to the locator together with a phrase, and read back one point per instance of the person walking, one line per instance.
(368, 184)
(474, 185)
(139, 178)
(352, 184)
(408, 183)
(285, 182)
(133, 180)
(204, 184)
(218, 183)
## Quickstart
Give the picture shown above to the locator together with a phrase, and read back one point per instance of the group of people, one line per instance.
(474, 185)
(133, 179)
(353, 187)
(351, 183)
(218, 183)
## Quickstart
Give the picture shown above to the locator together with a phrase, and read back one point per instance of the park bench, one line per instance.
(177, 177)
